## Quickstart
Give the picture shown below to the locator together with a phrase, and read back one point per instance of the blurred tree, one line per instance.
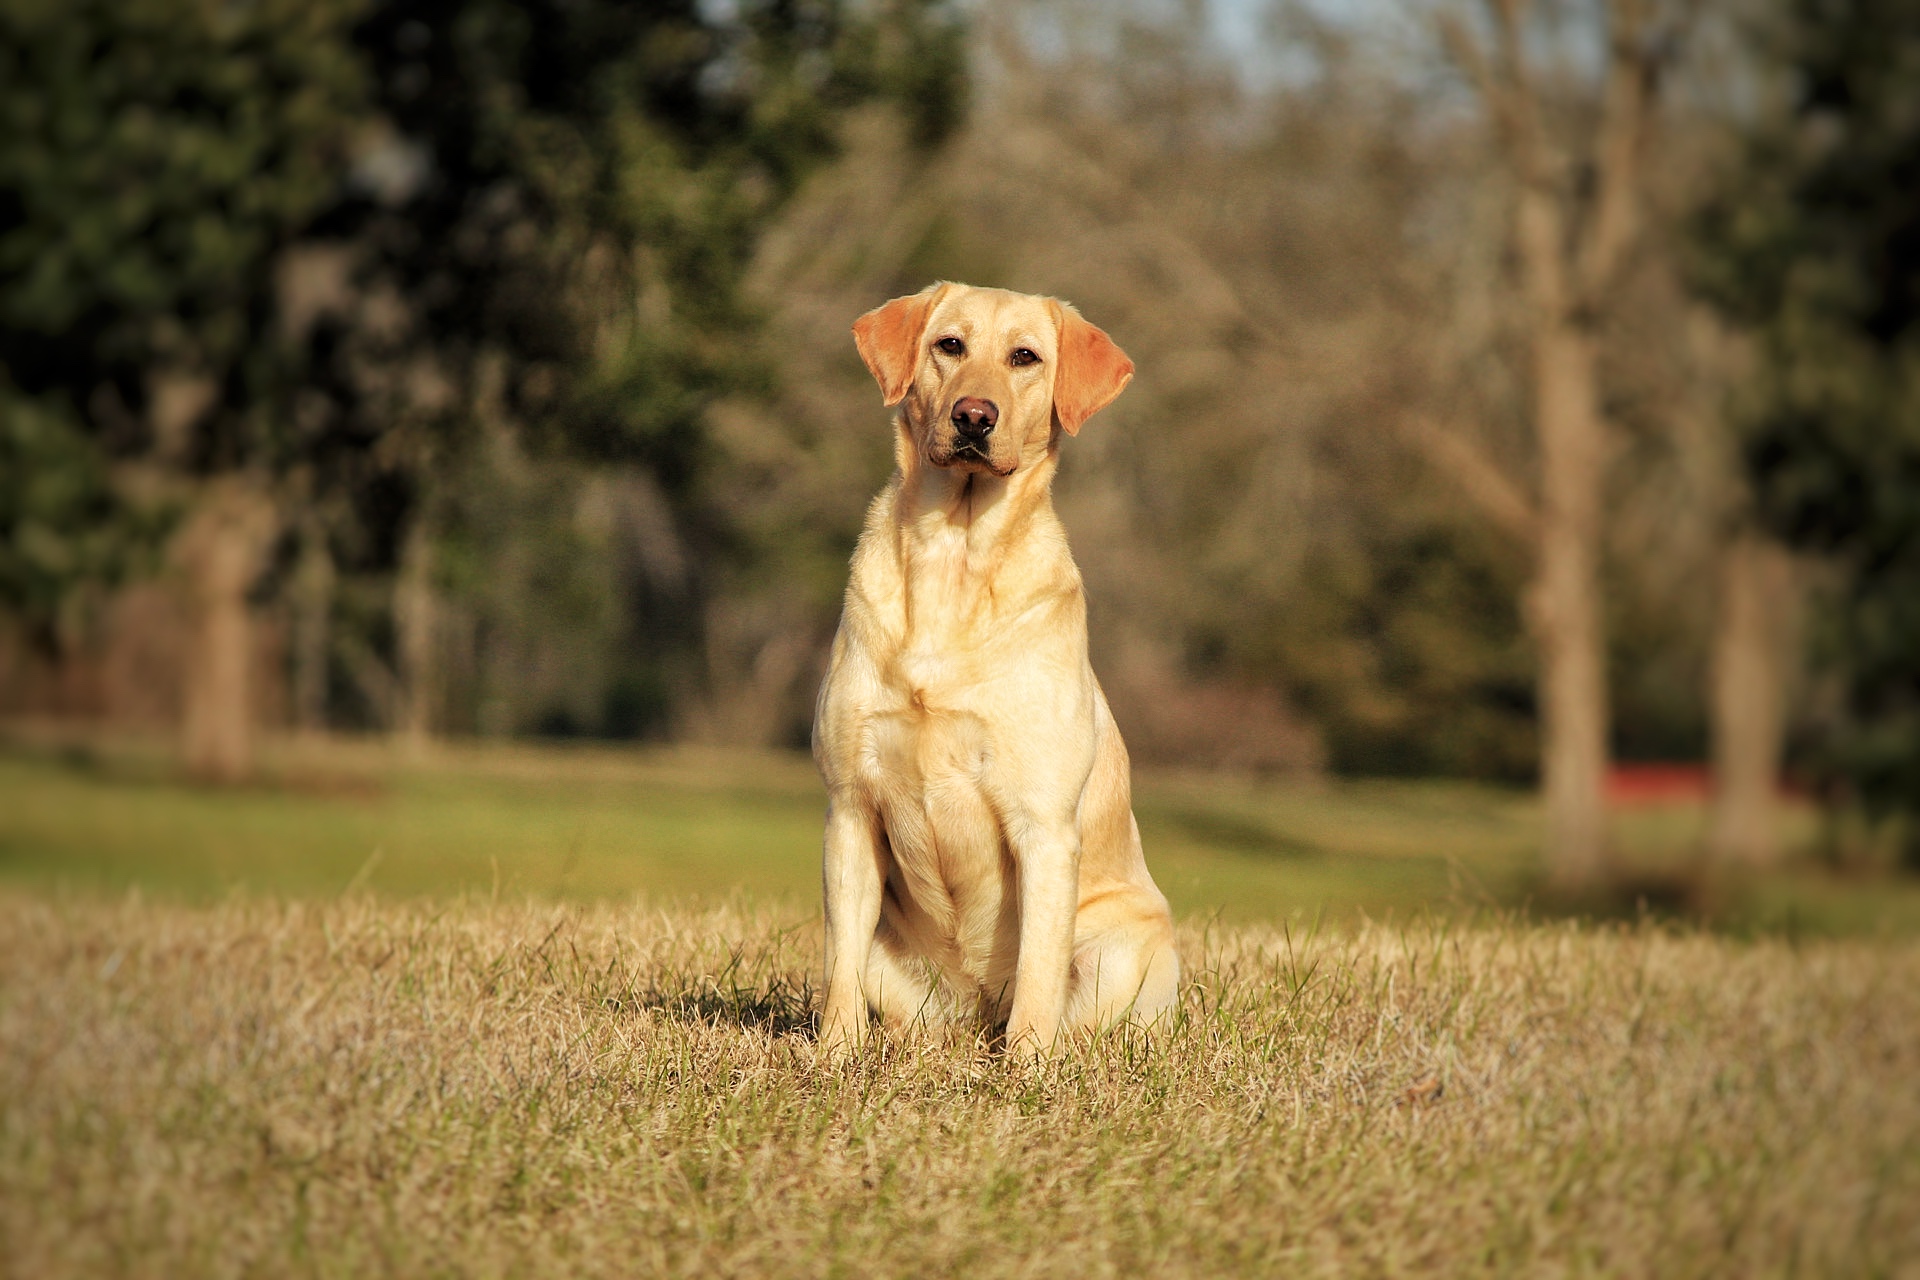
(1814, 246)
(1758, 592)
(155, 156)
(553, 382)
(541, 248)
(59, 522)
(1576, 200)
(349, 267)
(1279, 586)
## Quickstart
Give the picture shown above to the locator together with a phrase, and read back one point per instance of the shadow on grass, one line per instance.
(1678, 895)
(781, 1005)
(145, 766)
(1729, 903)
(1234, 833)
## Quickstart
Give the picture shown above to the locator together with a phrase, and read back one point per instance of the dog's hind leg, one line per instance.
(895, 984)
(1124, 965)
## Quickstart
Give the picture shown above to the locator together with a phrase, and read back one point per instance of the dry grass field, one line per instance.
(361, 1085)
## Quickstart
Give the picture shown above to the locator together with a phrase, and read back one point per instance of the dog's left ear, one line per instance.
(889, 340)
(1092, 371)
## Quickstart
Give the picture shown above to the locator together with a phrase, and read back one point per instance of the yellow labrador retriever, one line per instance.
(980, 813)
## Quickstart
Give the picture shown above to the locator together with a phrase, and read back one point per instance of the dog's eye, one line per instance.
(1022, 356)
(952, 346)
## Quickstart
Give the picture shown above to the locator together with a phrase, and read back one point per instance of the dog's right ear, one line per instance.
(889, 340)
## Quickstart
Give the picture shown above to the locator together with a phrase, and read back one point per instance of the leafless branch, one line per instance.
(1479, 477)
(1618, 149)
(1466, 51)
(1529, 151)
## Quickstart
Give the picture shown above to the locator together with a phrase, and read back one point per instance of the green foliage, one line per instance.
(419, 260)
(59, 522)
(1816, 246)
(592, 179)
(155, 154)
(1444, 675)
(575, 193)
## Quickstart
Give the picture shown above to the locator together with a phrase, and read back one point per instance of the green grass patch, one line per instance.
(587, 823)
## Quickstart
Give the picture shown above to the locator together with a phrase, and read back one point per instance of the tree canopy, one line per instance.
(1816, 248)
(339, 245)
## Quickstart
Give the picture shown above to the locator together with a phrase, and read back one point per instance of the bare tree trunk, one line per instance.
(312, 626)
(221, 552)
(1749, 696)
(1566, 613)
(415, 619)
(1571, 233)
(1564, 607)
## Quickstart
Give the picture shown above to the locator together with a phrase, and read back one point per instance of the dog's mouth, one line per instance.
(965, 455)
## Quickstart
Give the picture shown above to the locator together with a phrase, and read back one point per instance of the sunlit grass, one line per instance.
(545, 1012)
(580, 824)
(364, 1086)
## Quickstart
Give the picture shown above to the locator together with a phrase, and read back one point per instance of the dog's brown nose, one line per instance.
(974, 418)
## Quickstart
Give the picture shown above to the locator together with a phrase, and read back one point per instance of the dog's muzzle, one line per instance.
(974, 420)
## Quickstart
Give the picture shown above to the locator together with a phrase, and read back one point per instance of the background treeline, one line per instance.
(1522, 385)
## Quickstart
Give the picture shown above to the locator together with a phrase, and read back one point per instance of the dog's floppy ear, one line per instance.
(889, 340)
(1091, 371)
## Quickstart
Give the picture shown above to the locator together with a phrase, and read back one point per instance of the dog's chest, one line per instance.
(950, 631)
(930, 768)
(928, 775)
(944, 661)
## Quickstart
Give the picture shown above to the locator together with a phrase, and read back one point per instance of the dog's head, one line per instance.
(987, 375)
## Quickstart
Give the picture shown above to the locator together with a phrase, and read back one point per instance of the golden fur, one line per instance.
(979, 805)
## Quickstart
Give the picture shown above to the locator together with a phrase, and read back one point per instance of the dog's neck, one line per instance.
(967, 540)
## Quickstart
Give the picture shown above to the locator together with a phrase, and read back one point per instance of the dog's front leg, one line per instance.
(852, 870)
(1049, 867)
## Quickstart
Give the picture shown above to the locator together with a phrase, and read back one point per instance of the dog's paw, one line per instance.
(1031, 1046)
(838, 1042)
